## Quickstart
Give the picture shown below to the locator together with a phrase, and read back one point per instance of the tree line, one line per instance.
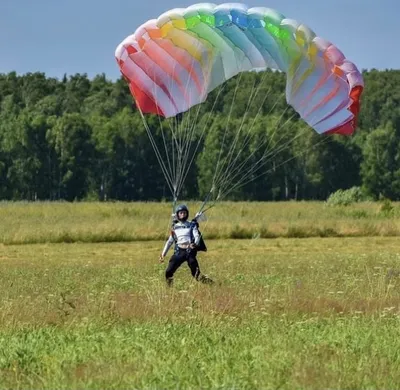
(77, 138)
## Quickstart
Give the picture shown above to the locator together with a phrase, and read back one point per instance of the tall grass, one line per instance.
(255, 354)
(29, 223)
(284, 313)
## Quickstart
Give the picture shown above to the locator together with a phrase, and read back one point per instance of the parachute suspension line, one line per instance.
(247, 138)
(182, 142)
(239, 169)
(175, 201)
(226, 183)
(188, 127)
(214, 187)
(223, 177)
(263, 159)
(174, 165)
(189, 131)
(186, 141)
(176, 126)
(321, 142)
(183, 132)
(173, 157)
(260, 163)
(171, 168)
(211, 202)
(186, 131)
(267, 155)
(222, 174)
(206, 199)
(171, 165)
(202, 133)
(226, 130)
(176, 154)
(192, 128)
(220, 169)
(231, 164)
(201, 136)
(307, 76)
(180, 139)
(225, 180)
(157, 152)
(232, 150)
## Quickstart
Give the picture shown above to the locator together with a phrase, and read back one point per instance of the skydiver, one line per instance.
(188, 241)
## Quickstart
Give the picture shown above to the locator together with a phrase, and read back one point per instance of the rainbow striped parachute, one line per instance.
(172, 63)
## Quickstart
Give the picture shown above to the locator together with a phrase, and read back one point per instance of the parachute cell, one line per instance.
(172, 63)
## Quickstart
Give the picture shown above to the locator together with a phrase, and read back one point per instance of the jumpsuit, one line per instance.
(183, 234)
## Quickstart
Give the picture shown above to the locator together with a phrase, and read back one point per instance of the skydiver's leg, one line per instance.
(195, 269)
(175, 262)
(194, 265)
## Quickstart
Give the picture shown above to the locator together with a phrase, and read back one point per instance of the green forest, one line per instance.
(78, 138)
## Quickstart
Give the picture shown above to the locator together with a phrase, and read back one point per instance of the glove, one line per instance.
(200, 217)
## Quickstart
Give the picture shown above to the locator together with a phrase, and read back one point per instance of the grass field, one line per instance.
(300, 310)
(30, 223)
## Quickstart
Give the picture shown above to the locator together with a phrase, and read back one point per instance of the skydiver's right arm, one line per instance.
(168, 245)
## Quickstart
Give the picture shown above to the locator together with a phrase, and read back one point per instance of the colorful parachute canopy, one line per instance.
(172, 63)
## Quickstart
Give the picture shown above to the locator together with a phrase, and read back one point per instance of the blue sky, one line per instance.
(80, 36)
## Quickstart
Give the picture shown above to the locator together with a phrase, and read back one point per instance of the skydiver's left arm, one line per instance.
(196, 235)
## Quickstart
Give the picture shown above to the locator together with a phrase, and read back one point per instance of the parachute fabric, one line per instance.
(172, 63)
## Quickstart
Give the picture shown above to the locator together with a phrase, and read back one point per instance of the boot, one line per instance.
(205, 279)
